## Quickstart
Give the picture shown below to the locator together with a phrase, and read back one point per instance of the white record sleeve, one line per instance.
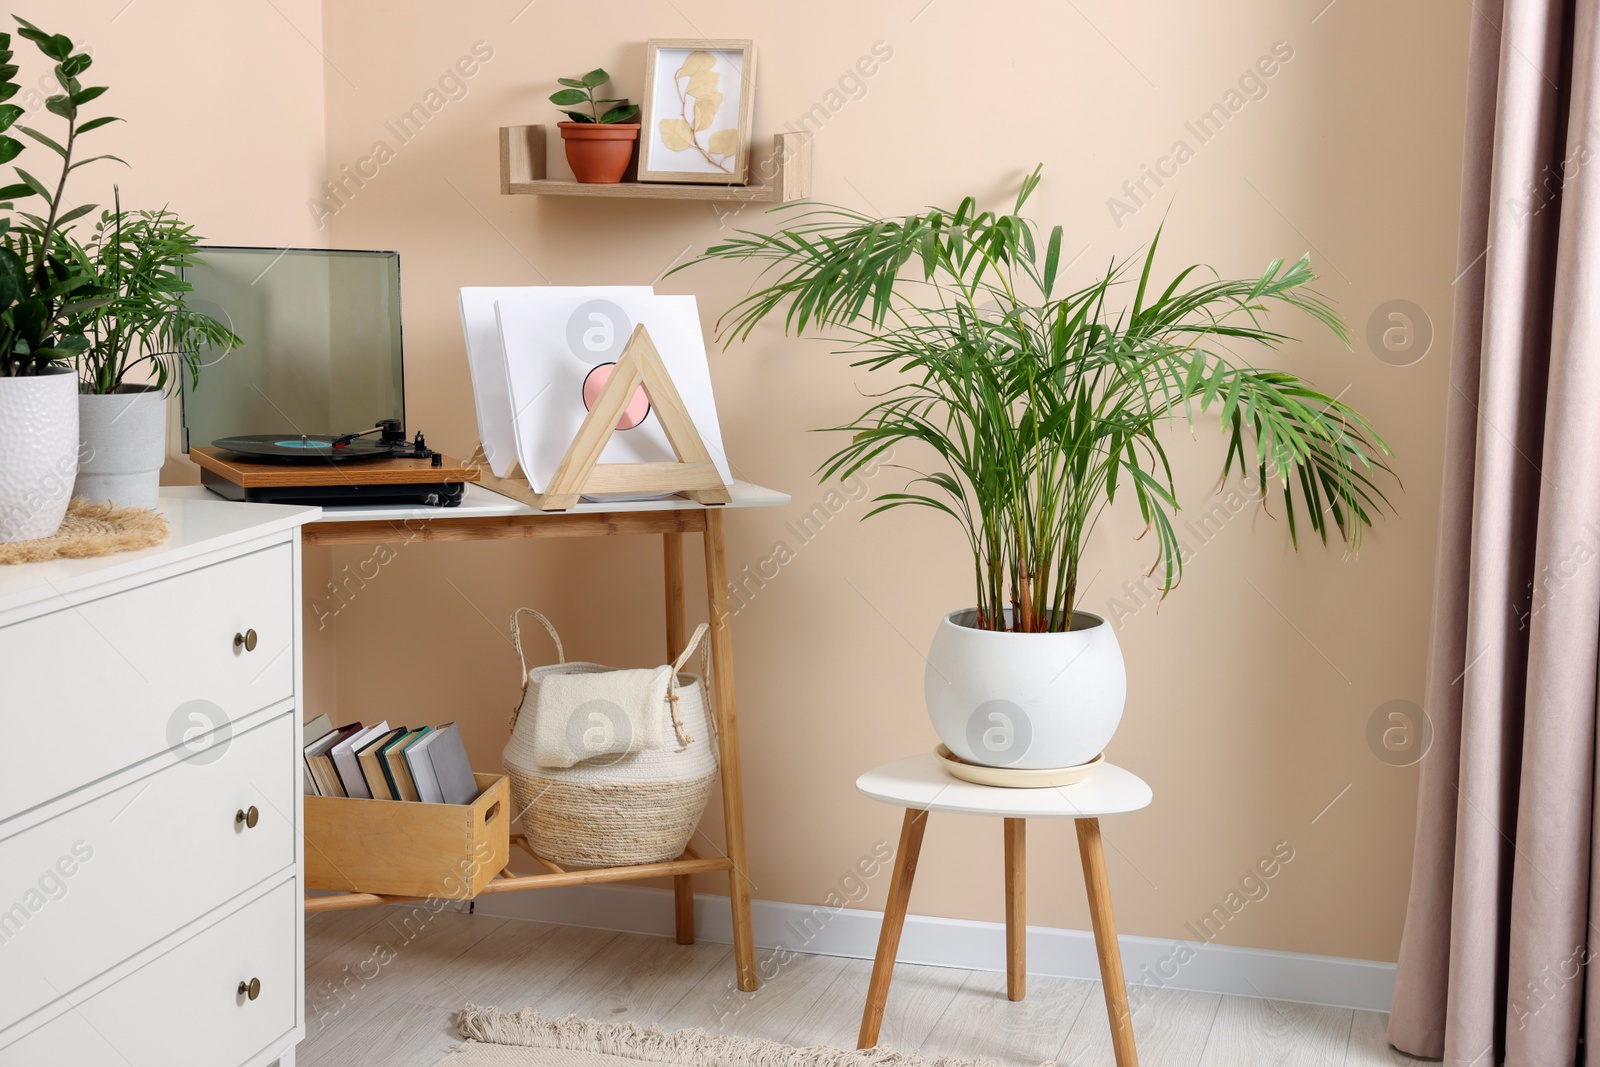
(551, 339)
(487, 363)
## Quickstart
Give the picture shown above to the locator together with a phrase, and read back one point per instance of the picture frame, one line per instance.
(681, 130)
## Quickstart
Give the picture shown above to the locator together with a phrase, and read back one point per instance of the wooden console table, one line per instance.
(484, 515)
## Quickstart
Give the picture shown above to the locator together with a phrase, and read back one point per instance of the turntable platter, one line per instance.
(310, 448)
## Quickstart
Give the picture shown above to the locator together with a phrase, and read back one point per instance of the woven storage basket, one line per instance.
(613, 810)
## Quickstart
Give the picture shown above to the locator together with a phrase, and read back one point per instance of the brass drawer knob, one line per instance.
(249, 818)
(250, 990)
(246, 641)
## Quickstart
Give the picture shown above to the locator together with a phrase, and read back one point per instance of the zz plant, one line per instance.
(42, 288)
(580, 91)
(1038, 407)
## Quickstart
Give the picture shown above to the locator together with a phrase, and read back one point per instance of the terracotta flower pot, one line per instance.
(599, 152)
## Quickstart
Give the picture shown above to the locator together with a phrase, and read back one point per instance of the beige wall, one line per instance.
(1250, 689)
(223, 104)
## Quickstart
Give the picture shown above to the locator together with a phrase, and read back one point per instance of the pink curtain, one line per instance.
(1500, 927)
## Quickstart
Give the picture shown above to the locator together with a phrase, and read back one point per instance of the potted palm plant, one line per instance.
(141, 340)
(1036, 409)
(41, 290)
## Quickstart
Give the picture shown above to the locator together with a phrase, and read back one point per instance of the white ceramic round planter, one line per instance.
(1021, 700)
(124, 445)
(38, 452)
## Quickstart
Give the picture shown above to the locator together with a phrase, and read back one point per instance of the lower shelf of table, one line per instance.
(691, 862)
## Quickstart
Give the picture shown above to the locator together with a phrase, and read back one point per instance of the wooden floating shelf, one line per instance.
(787, 174)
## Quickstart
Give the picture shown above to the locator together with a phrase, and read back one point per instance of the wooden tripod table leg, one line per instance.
(894, 920)
(1105, 942)
(744, 944)
(1016, 909)
(677, 635)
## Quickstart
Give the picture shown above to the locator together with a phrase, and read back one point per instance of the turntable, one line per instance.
(332, 471)
(321, 351)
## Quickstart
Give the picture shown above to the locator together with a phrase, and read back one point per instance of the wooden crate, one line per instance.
(409, 849)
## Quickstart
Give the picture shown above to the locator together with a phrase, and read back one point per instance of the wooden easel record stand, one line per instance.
(693, 475)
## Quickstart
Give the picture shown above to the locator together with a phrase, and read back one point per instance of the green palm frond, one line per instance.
(1044, 408)
(136, 261)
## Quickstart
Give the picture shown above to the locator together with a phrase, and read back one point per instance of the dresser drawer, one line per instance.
(126, 869)
(91, 689)
(184, 1009)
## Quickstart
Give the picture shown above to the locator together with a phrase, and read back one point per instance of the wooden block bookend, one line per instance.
(693, 474)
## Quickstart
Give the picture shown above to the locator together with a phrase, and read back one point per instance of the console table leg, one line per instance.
(1105, 942)
(677, 619)
(744, 946)
(894, 920)
(1016, 909)
(677, 634)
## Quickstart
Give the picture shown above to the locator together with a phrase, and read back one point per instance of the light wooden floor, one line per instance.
(382, 982)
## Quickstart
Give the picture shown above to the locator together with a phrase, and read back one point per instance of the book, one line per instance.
(315, 730)
(346, 764)
(319, 758)
(370, 758)
(394, 764)
(422, 768)
(349, 736)
(428, 764)
(451, 768)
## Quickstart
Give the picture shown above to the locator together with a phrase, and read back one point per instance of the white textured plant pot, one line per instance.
(1029, 701)
(124, 446)
(38, 452)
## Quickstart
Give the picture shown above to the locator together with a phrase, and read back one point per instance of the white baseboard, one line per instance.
(965, 943)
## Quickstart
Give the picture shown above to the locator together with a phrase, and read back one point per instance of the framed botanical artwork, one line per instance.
(699, 97)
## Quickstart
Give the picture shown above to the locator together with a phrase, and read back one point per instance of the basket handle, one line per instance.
(685, 739)
(688, 649)
(516, 637)
(710, 691)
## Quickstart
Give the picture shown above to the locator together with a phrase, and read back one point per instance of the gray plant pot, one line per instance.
(124, 444)
(38, 452)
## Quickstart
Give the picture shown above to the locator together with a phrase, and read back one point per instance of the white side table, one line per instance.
(920, 785)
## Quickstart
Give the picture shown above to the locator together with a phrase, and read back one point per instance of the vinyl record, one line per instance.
(306, 448)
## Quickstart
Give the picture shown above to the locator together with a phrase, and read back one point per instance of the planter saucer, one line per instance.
(1012, 777)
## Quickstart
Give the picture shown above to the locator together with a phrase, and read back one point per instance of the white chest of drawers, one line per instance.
(150, 834)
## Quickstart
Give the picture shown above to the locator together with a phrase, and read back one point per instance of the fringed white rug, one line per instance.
(497, 1038)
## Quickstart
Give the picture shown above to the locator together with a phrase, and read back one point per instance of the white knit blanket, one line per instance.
(611, 713)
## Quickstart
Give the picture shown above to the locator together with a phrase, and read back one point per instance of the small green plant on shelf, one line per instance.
(580, 91)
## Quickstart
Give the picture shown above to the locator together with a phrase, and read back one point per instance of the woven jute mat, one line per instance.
(91, 530)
